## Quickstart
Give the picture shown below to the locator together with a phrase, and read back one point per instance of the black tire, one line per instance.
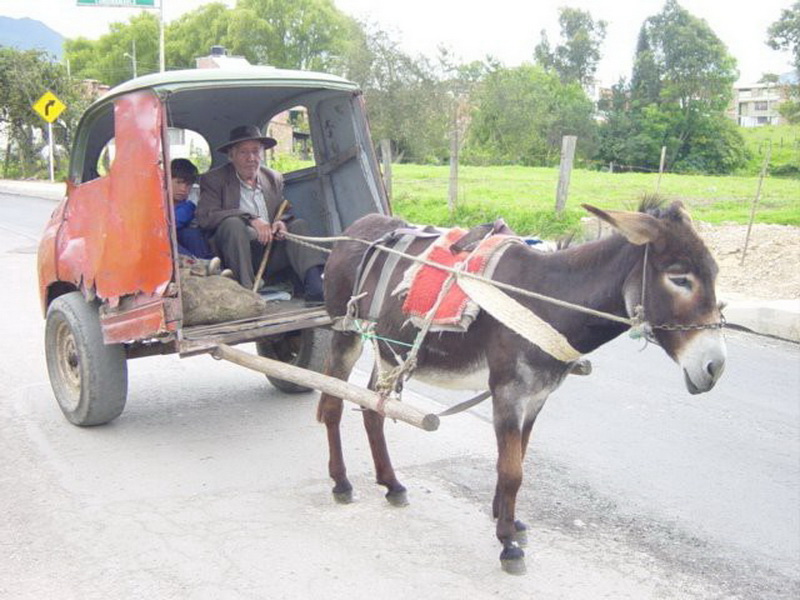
(89, 378)
(306, 348)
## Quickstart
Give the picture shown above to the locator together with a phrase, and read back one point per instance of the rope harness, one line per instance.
(391, 381)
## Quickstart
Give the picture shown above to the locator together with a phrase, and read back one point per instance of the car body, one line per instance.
(112, 239)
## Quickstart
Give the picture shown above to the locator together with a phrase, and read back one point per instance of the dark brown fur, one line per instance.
(605, 275)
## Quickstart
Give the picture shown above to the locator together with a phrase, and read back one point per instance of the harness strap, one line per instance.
(386, 274)
(405, 235)
(519, 319)
(462, 406)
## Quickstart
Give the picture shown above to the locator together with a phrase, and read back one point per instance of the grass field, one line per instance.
(525, 196)
(782, 141)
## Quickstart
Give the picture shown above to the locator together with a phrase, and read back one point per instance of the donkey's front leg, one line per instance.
(384, 472)
(345, 350)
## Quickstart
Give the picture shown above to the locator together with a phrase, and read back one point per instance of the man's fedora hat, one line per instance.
(246, 133)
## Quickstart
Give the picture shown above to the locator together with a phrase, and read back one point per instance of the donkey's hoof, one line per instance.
(521, 533)
(398, 498)
(343, 494)
(512, 560)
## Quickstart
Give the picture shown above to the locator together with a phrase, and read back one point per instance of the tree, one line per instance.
(24, 77)
(576, 57)
(646, 77)
(194, 33)
(680, 87)
(293, 34)
(784, 34)
(521, 115)
(407, 102)
(299, 34)
(105, 59)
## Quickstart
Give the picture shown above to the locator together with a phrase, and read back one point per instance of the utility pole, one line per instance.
(161, 35)
(133, 58)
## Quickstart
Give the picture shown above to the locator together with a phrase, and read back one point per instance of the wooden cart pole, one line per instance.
(330, 385)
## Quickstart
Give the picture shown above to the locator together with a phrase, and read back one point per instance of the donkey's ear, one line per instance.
(638, 228)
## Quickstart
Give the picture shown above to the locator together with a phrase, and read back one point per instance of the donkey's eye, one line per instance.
(681, 281)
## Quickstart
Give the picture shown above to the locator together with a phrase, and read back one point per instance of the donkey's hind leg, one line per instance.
(384, 472)
(344, 352)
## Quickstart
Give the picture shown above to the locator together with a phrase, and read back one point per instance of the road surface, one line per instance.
(213, 485)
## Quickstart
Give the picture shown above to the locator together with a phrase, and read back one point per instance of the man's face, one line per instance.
(180, 189)
(246, 158)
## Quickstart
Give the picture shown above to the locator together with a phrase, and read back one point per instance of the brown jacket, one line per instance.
(219, 195)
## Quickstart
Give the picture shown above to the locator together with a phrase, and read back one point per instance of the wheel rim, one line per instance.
(69, 364)
(288, 347)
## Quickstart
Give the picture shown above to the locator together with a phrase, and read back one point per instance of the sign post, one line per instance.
(49, 107)
(148, 4)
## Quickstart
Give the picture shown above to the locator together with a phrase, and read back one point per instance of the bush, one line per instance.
(786, 170)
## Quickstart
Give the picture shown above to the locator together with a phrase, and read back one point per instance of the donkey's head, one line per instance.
(674, 285)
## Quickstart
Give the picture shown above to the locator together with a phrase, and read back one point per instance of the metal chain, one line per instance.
(637, 322)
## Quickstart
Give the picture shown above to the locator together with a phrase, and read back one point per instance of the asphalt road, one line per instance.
(213, 485)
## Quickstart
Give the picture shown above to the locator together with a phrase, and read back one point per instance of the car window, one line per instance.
(294, 150)
(186, 143)
(106, 158)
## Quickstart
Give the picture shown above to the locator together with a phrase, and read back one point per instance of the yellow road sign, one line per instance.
(49, 106)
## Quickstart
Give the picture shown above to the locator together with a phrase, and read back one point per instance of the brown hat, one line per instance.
(246, 133)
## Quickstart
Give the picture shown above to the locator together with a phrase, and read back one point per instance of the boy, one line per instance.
(191, 241)
(192, 244)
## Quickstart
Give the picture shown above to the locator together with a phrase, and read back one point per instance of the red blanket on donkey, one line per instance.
(424, 282)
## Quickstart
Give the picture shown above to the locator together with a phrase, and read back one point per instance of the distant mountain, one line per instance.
(28, 34)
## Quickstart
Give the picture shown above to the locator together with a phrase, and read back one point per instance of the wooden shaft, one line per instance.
(330, 385)
(262, 267)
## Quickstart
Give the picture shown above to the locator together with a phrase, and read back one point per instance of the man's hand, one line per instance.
(279, 230)
(263, 230)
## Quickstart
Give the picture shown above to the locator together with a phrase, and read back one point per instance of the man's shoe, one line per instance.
(312, 285)
(227, 273)
(214, 266)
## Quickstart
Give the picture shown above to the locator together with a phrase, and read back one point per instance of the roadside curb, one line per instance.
(776, 318)
(40, 189)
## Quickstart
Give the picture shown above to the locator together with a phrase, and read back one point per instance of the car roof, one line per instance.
(171, 81)
(211, 102)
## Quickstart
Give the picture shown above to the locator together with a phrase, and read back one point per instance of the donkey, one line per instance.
(655, 260)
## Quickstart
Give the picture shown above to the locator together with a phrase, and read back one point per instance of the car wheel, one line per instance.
(89, 378)
(306, 348)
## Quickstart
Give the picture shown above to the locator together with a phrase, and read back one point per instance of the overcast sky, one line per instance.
(508, 30)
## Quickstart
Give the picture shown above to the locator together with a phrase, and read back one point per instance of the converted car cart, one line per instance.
(109, 280)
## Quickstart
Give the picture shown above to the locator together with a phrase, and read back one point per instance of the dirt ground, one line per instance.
(771, 266)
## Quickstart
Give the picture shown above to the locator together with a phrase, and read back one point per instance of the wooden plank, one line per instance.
(209, 339)
(330, 385)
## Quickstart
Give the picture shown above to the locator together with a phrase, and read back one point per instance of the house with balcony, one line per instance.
(756, 104)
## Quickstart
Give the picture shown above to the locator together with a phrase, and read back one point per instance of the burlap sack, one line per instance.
(216, 299)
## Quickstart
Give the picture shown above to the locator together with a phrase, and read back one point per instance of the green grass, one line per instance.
(784, 141)
(525, 196)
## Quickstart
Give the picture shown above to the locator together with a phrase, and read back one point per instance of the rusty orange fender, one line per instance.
(111, 235)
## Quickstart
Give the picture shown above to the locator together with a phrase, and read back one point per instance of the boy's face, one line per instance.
(180, 189)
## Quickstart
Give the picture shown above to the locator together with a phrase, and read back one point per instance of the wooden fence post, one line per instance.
(764, 168)
(661, 167)
(567, 156)
(386, 158)
(452, 189)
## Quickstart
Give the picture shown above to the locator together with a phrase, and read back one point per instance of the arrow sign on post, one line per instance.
(49, 106)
